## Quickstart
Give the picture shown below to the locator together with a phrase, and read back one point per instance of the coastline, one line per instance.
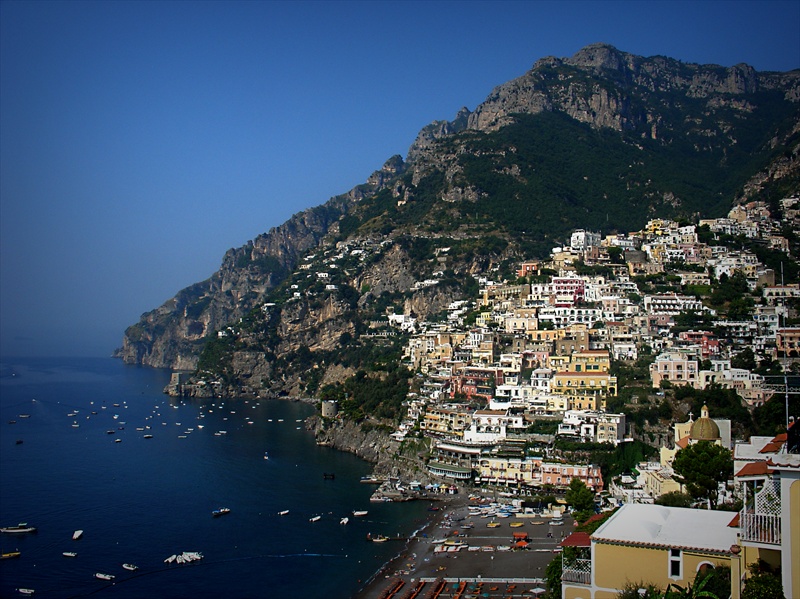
(375, 586)
(501, 572)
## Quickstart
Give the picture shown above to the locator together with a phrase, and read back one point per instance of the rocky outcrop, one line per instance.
(370, 442)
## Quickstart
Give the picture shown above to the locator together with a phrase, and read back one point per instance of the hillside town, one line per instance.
(532, 362)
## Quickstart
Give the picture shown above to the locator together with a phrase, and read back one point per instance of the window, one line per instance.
(675, 563)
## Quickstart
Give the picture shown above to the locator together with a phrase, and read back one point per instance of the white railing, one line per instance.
(760, 528)
(578, 570)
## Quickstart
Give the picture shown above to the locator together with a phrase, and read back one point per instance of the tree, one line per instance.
(763, 586)
(675, 499)
(764, 582)
(581, 498)
(702, 467)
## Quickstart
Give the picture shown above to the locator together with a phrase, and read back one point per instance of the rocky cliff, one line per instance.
(600, 137)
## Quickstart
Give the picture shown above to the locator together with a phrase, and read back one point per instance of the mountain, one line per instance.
(603, 140)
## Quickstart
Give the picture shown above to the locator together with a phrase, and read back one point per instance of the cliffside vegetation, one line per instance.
(603, 140)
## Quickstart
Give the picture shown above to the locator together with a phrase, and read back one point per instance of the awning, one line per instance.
(577, 539)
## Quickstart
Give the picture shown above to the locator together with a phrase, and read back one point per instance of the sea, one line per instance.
(74, 456)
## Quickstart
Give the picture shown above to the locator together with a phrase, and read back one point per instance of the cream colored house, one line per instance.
(648, 544)
(770, 519)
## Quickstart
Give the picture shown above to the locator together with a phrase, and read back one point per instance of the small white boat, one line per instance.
(130, 567)
(170, 559)
(102, 576)
(283, 513)
(360, 513)
(221, 511)
(344, 520)
(77, 535)
(69, 554)
(26, 591)
(314, 519)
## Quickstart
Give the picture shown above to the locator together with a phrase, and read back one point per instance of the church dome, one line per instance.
(704, 429)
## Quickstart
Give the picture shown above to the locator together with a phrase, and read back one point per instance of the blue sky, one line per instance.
(141, 140)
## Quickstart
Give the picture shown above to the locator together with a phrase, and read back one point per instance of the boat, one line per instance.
(77, 535)
(148, 436)
(378, 539)
(10, 554)
(221, 511)
(360, 513)
(170, 559)
(493, 524)
(283, 513)
(371, 480)
(26, 591)
(314, 519)
(117, 440)
(130, 567)
(266, 455)
(19, 528)
(69, 554)
(102, 576)
(516, 524)
(344, 520)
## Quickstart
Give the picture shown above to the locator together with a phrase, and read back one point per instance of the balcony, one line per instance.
(760, 519)
(760, 529)
(578, 570)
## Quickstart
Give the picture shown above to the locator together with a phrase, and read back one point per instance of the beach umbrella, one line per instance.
(538, 590)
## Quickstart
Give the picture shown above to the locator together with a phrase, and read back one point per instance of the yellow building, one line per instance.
(446, 422)
(586, 390)
(659, 482)
(590, 360)
(770, 519)
(647, 544)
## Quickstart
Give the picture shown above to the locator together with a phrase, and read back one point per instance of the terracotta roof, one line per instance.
(781, 438)
(754, 469)
(771, 447)
(683, 443)
(577, 539)
(735, 522)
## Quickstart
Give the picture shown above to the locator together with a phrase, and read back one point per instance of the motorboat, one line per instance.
(221, 511)
(378, 539)
(19, 528)
(344, 520)
(26, 591)
(130, 567)
(170, 559)
(77, 535)
(69, 554)
(10, 554)
(360, 513)
(283, 513)
(102, 576)
(314, 519)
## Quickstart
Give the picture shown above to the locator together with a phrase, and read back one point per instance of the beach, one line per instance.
(497, 569)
